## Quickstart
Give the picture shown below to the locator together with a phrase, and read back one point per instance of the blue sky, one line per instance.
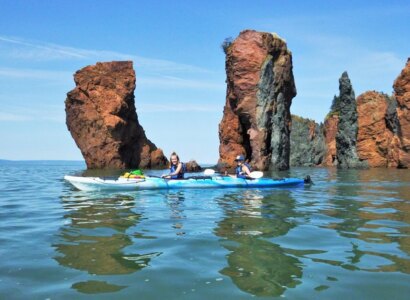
(180, 66)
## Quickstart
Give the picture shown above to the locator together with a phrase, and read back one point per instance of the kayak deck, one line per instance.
(152, 183)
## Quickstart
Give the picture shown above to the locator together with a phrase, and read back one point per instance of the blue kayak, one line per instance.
(199, 182)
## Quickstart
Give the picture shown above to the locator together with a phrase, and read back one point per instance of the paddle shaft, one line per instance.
(254, 174)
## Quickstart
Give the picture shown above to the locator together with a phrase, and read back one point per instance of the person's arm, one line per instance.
(246, 170)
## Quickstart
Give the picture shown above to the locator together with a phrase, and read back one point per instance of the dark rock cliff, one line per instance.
(260, 88)
(307, 145)
(101, 117)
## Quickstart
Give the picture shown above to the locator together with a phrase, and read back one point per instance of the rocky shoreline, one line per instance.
(371, 130)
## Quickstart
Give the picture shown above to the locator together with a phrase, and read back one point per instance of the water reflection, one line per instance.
(95, 239)
(255, 264)
(96, 287)
(372, 211)
(175, 202)
(346, 203)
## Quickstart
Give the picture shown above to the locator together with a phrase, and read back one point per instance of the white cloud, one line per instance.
(28, 50)
(379, 62)
(18, 48)
(170, 82)
(34, 74)
(150, 108)
(40, 113)
(302, 20)
(12, 117)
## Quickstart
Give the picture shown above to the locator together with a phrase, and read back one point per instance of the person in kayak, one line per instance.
(175, 168)
(243, 169)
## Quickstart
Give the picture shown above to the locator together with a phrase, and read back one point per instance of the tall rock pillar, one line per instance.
(346, 136)
(260, 87)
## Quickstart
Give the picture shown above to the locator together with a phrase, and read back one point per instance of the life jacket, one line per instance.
(239, 172)
(181, 173)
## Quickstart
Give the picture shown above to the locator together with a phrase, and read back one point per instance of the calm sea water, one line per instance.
(347, 236)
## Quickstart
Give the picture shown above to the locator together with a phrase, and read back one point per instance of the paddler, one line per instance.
(176, 168)
(243, 169)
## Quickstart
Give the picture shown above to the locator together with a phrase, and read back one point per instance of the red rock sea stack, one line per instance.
(102, 119)
(376, 143)
(260, 87)
(402, 94)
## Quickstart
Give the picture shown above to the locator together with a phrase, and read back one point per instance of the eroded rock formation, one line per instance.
(260, 88)
(102, 119)
(193, 166)
(329, 132)
(376, 139)
(373, 130)
(346, 136)
(402, 94)
(307, 146)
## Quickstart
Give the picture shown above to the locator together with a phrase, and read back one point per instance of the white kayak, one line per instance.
(152, 183)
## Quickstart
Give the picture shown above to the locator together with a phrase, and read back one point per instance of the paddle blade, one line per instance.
(209, 172)
(256, 174)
